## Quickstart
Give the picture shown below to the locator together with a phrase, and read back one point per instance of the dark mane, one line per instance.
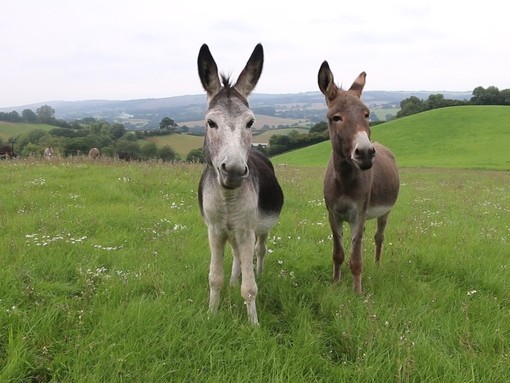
(226, 81)
(228, 91)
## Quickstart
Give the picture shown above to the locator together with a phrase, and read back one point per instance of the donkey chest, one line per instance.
(230, 209)
(347, 209)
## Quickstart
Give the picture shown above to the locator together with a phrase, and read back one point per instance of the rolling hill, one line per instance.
(456, 137)
(12, 129)
(147, 113)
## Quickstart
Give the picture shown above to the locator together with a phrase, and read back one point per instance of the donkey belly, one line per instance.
(377, 211)
(265, 222)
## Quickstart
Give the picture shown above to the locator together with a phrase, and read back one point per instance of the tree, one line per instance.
(489, 96)
(319, 127)
(149, 150)
(117, 131)
(167, 123)
(196, 155)
(505, 96)
(29, 116)
(279, 140)
(129, 147)
(410, 105)
(46, 114)
(10, 116)
(166, 153)
(435, 101)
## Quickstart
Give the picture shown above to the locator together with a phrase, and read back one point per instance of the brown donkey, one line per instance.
(361, 180)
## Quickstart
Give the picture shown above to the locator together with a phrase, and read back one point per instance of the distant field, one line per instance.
(457, 137)
(181, 143)
(264, 137)
(11, 129)
(382, 113)
(260, 121)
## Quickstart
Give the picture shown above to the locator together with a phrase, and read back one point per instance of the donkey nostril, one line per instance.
(246, 171)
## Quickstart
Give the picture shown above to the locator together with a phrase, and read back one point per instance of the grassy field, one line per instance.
(12, 129)
(104, 279)
(459, 137)
(184, 143)
(382, 113)
(260, 121)
(181, 143)
(265, 136)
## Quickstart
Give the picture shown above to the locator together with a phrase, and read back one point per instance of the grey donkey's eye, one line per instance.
(212, 124)
(250, 123)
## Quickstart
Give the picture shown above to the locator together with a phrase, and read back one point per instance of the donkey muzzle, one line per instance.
(232, 173)
(363, 154)
(364, 159)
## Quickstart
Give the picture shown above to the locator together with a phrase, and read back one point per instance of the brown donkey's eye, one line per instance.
(336, 118)
(212, 124)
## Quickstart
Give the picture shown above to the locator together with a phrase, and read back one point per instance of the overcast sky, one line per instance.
(125, 49)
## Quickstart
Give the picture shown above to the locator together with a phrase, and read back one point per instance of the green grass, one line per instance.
(13, 129)
(265, 136)
(104, 279)
(458, 137)
(181, 143)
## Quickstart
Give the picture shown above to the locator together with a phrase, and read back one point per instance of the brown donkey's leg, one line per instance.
(338, 251)
(356, 261)
(379, 236)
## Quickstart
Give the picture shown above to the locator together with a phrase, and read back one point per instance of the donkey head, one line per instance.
(228, 118)
(349, 129)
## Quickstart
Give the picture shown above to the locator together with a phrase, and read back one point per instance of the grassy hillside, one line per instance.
(181, 143)
(12, 129)
(457, 137)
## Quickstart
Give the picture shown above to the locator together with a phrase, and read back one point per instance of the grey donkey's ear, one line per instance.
(208, 71)
(251, 73)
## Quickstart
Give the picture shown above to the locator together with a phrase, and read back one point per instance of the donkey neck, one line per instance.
(345, 170)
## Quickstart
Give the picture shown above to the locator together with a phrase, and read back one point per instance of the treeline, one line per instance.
(43, 115)
(79, 136)
(111, 139)
(481, 96)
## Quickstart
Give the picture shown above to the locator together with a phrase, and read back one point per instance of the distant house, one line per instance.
(260, 145)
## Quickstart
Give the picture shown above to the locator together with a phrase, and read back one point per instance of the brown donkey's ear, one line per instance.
(327, 82)
(358, 84)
